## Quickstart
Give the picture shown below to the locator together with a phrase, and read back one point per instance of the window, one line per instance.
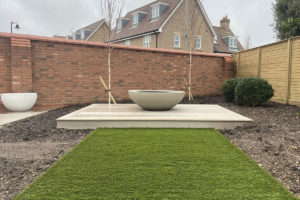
(119, 25)
(127, 42)
(177, 41)
(198, 43)
(155, 11)
(147, 41)
(233, 42)
(135, 18)
(82, 35)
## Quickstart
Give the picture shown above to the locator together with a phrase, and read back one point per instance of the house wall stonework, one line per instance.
(65, 72)
(176, 25)
(139, 41)
(101, 34)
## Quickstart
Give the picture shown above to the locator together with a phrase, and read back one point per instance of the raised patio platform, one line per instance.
(132, 116)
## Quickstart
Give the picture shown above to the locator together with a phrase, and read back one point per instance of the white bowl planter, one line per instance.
(156, 99)
(18, 102)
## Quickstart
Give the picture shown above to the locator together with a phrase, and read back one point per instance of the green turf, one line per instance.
(163, 164)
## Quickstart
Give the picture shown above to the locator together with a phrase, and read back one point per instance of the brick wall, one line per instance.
(65, 72)
(5, 71)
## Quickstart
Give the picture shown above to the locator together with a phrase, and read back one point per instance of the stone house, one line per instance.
(226, 42)
(97, 32)
(162, 24)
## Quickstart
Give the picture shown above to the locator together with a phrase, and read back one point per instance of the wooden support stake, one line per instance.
(289, 71)
(188, 88)
(106, 89)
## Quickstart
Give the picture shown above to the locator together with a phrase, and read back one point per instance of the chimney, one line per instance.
(225, 23)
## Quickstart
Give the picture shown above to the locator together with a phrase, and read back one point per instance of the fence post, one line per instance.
(238, 65)
(289, 71)
(259, 63)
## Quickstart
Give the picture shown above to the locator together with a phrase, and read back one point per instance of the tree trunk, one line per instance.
(109, 75)
(190, 75)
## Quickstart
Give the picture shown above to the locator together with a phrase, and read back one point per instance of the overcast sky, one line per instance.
(59, 17)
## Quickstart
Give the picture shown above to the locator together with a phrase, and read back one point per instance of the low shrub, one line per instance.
(253, 92)
(228, 88)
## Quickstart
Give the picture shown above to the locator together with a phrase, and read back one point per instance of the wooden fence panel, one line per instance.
(278, 63)
(247, 60)
(274, 69)
(295, 73)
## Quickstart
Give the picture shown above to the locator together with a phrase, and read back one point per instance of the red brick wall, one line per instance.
(65, 72)
(21, 71)
(5, 70)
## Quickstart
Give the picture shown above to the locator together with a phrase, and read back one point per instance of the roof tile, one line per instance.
(146, 25)
(221, 46)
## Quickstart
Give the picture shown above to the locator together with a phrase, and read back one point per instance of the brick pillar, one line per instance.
(21, 65)
(229, 68)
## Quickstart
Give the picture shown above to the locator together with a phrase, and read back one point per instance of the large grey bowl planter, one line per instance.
(156, 99)
(18, 102)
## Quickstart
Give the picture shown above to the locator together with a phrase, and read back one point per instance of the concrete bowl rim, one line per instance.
(157, 91)
(19, 93)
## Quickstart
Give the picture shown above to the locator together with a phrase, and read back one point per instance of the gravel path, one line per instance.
(28, 147)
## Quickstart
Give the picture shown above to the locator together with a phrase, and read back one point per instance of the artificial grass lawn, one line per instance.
(156, 164)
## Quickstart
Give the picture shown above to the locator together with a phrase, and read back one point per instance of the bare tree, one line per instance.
(248, 43)
(192, 31)
(111, 11)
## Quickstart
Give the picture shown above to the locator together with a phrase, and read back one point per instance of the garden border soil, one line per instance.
(28, 147)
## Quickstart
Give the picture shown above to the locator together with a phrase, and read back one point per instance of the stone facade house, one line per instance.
(96, 32)
(162, 24)
(226, 42)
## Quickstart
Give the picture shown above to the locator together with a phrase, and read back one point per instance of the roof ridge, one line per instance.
(144, 26)
(94, 23)
(137, 9)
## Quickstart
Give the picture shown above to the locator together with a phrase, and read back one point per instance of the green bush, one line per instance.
(228, 88)
(253, 92)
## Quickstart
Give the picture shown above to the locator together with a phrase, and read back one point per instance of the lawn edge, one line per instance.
(53, 165)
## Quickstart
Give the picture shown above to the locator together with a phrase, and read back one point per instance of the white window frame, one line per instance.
(147, 41)
(155, 11)
(119, 25)
(232, 42)
(127, 42)
(82, 34)
(198, 43)
(135, 18)
(236, 42)
(177, 41)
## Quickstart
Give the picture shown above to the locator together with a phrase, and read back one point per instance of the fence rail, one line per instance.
(278, 63)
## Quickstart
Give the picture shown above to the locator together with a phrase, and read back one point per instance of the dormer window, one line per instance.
(84, 33)
(135, 18)
(155, 11)
(119, 25)
(233, 42)
(158, 9)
